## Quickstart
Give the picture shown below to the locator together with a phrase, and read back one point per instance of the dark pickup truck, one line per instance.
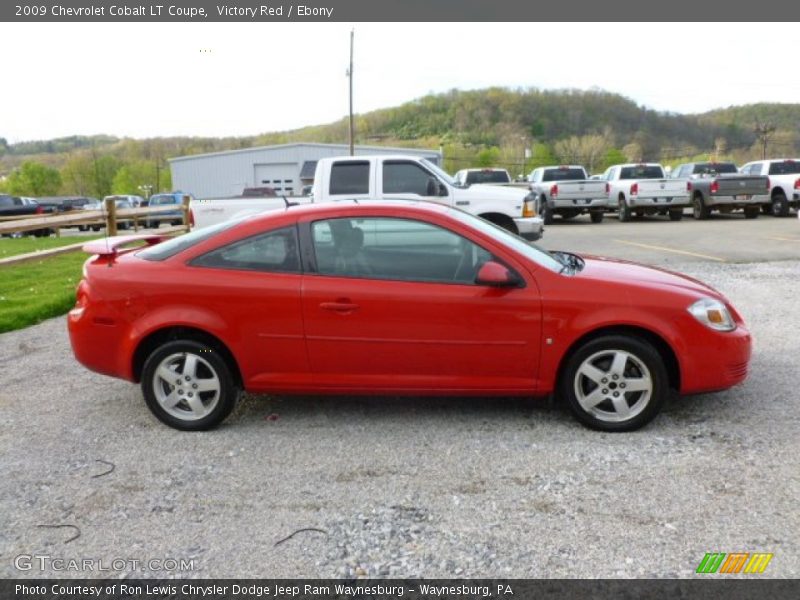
(720, 186)
(12, 206)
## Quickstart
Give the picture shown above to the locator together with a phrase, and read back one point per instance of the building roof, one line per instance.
(343, 147)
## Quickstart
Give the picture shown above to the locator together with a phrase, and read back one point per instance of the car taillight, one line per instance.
(39, 210)
(769, 183)
(191, 218)
(714, 187)
(797, 184)
(634, 189)
(688, 186)
(554, 190)
(608, 188)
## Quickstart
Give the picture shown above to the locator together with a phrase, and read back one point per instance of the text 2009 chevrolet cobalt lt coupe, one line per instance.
(395, 298)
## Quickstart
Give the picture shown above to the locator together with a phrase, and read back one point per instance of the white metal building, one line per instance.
(286, 168)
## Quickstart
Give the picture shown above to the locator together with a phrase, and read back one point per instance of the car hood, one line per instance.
(635, 274)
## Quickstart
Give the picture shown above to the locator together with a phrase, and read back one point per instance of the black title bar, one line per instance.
(405, 10)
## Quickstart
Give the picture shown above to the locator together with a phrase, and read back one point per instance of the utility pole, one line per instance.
(350, 77)
(763, 132)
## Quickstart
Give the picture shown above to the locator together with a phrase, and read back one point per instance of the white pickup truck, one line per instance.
(784, 184)
(392, 177)
(567, 191)
(643, 188)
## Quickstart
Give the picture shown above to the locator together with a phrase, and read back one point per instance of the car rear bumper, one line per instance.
(91, 337)
(738, 200)
(667, 202)
(574, 203)
(530, 228)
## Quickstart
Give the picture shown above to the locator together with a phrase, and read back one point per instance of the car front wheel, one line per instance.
(188, 385)
(615, 383)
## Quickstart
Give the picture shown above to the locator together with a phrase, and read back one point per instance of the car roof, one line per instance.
(355, 207)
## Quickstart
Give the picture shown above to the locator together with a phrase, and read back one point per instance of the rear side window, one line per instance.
(642, 172)
(566, 174)
(351, 177)
(787, 167)
(275, 251)
(177, 244)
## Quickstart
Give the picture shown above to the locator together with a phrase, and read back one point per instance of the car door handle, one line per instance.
(339, 306)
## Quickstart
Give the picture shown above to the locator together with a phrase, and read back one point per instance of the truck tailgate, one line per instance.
(741, 185)
(578, 190)
(661, 188)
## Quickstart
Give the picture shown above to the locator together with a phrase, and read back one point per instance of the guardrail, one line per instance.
(109, 217)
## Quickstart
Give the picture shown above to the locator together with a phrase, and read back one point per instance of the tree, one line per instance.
(488, 157)
(584, 150)
(130, 178)
(88, 174)
(34, 179)
(541, 156)
(613, 156)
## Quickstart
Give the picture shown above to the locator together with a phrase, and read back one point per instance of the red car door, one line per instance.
(393, 306)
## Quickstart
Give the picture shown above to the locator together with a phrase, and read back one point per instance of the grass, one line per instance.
(34, 291)
(14, 246)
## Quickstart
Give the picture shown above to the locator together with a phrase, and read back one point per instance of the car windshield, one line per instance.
(786, 167)
(642, 172)
(711, 168)
(182, 242)
(439, 172)
(163, 200)
(488, 176)
(563, 174)
(538, 255)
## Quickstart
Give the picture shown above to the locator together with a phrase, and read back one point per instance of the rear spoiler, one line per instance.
(110, 246)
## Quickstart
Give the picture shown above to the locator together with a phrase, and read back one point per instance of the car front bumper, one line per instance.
(530, 228)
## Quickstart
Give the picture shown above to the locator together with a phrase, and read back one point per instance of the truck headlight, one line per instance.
(529, 206)
(713, 314)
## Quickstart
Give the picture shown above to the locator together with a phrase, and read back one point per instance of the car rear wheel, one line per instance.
(751, 212)
(676, 215)
(615, 383)
(596, 216)
(546, 212)
(188, 385)
(699, 209)
(624, 210)
(780, 206)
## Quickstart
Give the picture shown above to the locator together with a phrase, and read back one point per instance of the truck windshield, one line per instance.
(488, 176)
(642, 172)
(438, 171)
(712, 168)
(786, 167)
(563, 174)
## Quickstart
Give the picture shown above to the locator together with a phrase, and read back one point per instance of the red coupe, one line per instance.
(395, 298)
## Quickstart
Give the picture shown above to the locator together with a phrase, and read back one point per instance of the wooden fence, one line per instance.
(109, 217)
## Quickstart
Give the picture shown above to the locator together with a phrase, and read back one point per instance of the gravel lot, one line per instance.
(406, 487)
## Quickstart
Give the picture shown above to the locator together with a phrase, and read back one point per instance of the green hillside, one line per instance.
(486, 127)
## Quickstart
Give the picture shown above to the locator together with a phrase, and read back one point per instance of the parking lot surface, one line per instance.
(446, 487)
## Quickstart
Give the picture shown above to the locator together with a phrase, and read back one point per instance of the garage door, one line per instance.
(281, 177)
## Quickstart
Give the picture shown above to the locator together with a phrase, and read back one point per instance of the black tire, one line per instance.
(780, 205)
(676, 215)
(83, 228)
(642, 364)
(209, 361)
(751, 212)
(766, 209)
(596, 216)
(624, 214)
(699, 209)
(546, 212)
(96, 227)
(569, 214)
(506, 223)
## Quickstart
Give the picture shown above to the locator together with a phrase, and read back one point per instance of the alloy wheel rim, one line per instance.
(186, 386)
(613, 385)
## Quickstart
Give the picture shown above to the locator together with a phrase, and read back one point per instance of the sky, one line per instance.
(233, 79)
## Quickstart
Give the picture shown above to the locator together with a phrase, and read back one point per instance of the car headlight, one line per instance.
(713, 314)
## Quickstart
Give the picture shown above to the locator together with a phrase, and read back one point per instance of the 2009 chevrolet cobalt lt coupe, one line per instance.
(395, 298)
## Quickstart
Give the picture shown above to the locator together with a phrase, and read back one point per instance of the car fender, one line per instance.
(178, 315)
(561, 333)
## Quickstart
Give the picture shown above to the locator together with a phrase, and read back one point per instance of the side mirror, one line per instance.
(496, 275)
